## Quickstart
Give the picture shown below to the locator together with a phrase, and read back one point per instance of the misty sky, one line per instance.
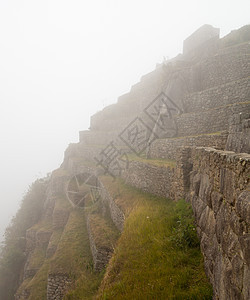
(62, 61)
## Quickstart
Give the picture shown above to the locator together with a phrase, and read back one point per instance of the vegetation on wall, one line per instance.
(12, 255)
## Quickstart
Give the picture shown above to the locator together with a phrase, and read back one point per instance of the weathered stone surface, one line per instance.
(219, 193)
(57, 286)
(166, 148)
(243, 206)
(149, 178)
(239, 131)
(117, 215)
(246, 280)
(101, 254)
(24, 295)
(201, 36)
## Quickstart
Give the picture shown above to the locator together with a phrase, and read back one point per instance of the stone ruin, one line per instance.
(203, 132)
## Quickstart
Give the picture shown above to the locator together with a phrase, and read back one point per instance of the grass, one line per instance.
(158, 255)
(55, 237)
(68, 256)
(122, 195)
(38, 284)
(73, 257)
(62, 203)
(37, 258)
(197, 135)
(104, 232)
(105, 235)
(155, 162)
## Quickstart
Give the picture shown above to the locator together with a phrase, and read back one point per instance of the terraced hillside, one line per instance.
(154, 200)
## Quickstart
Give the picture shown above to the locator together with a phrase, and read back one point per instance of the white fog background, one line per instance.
(62, 61)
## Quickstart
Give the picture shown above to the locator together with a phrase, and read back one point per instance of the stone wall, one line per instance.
(23, 295)
(167, 148)
(227, 65)
(35, 239)
(117, 215)
(149, 178)
(223, 78)
(199, 37)
(57, 182)
(239, 133)
(57, 286)
(98, 138)
(220, 197)
(208, 121)
(101, 255)
(229, 93)
(129, 105)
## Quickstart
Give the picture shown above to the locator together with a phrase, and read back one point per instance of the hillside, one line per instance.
(154, 200)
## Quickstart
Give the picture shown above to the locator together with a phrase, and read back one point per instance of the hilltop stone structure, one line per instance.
(197, 148)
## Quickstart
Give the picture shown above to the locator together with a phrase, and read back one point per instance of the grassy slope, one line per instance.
(157, 256)
(152, 259)
(155, 162)
(74, 257)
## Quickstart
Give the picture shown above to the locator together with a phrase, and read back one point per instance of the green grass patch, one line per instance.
(103, 230)
(38, 285)
(123, 195)
(158, 255)
(196, 135)
(62, 203)
(73, 257)
(55, 238)
(69, 257)
(167, 163)
(37, 258)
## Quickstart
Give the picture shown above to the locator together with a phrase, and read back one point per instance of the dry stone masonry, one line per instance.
(57, 286)
(220, 197)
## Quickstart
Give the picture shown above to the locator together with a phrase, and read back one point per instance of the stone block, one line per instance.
(243, 206)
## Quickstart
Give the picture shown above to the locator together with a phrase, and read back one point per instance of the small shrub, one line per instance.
(183, 228)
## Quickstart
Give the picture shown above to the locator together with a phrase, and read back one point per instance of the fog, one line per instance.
(62, 61)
